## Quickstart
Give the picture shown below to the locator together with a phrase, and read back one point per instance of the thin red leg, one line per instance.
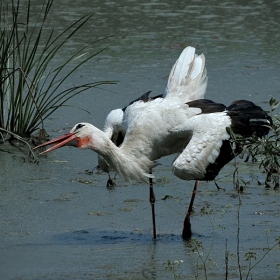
(152, 201)
(187, 232)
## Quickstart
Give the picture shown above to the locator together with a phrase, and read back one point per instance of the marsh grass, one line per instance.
(266, 152)
(238, 264)
(30, 82)
(174, 268)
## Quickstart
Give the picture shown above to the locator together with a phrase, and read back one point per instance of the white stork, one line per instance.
(180, 122)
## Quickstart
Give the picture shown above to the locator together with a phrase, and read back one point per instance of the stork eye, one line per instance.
(79, 126)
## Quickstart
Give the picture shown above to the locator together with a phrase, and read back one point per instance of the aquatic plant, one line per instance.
(238, 265)
(174, 267)
(30, 82)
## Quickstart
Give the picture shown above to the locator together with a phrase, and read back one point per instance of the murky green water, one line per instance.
(57, 222)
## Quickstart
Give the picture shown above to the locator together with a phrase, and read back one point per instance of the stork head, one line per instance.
(81, 136)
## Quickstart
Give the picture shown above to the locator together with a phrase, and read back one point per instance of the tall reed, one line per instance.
(30, 89)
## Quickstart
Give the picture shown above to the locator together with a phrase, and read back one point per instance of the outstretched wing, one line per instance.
(204, 148)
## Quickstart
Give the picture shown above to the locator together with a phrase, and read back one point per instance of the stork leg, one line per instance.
(152, 201)
(187, 232)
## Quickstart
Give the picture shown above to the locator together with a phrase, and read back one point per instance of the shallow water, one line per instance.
(59, 222)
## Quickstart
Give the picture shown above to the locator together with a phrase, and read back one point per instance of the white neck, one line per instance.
(121, 161)
(127, 165)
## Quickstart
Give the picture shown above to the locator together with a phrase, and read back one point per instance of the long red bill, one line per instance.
(59, 142)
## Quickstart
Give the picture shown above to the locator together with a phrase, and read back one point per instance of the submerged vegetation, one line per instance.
(30, 81)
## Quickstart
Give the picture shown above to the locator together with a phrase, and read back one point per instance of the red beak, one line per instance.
(68, 139)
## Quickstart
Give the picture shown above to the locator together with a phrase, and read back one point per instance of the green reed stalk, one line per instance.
(30, 90)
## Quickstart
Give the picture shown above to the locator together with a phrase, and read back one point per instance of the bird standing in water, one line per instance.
(181, 122)
(115, 129)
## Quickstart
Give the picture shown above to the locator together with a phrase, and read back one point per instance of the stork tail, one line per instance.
(248, 119)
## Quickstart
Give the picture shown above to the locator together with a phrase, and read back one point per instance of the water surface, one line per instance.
(58, 222)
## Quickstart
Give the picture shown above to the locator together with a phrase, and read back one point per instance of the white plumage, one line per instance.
(187, 81)
(179, 123)
(188, 77)
(209, 132)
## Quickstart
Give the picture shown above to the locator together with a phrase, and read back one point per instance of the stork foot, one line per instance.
(110, 183)
(187, 232)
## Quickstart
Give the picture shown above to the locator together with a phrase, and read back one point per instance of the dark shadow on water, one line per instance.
(91, 236)
(106, 237)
